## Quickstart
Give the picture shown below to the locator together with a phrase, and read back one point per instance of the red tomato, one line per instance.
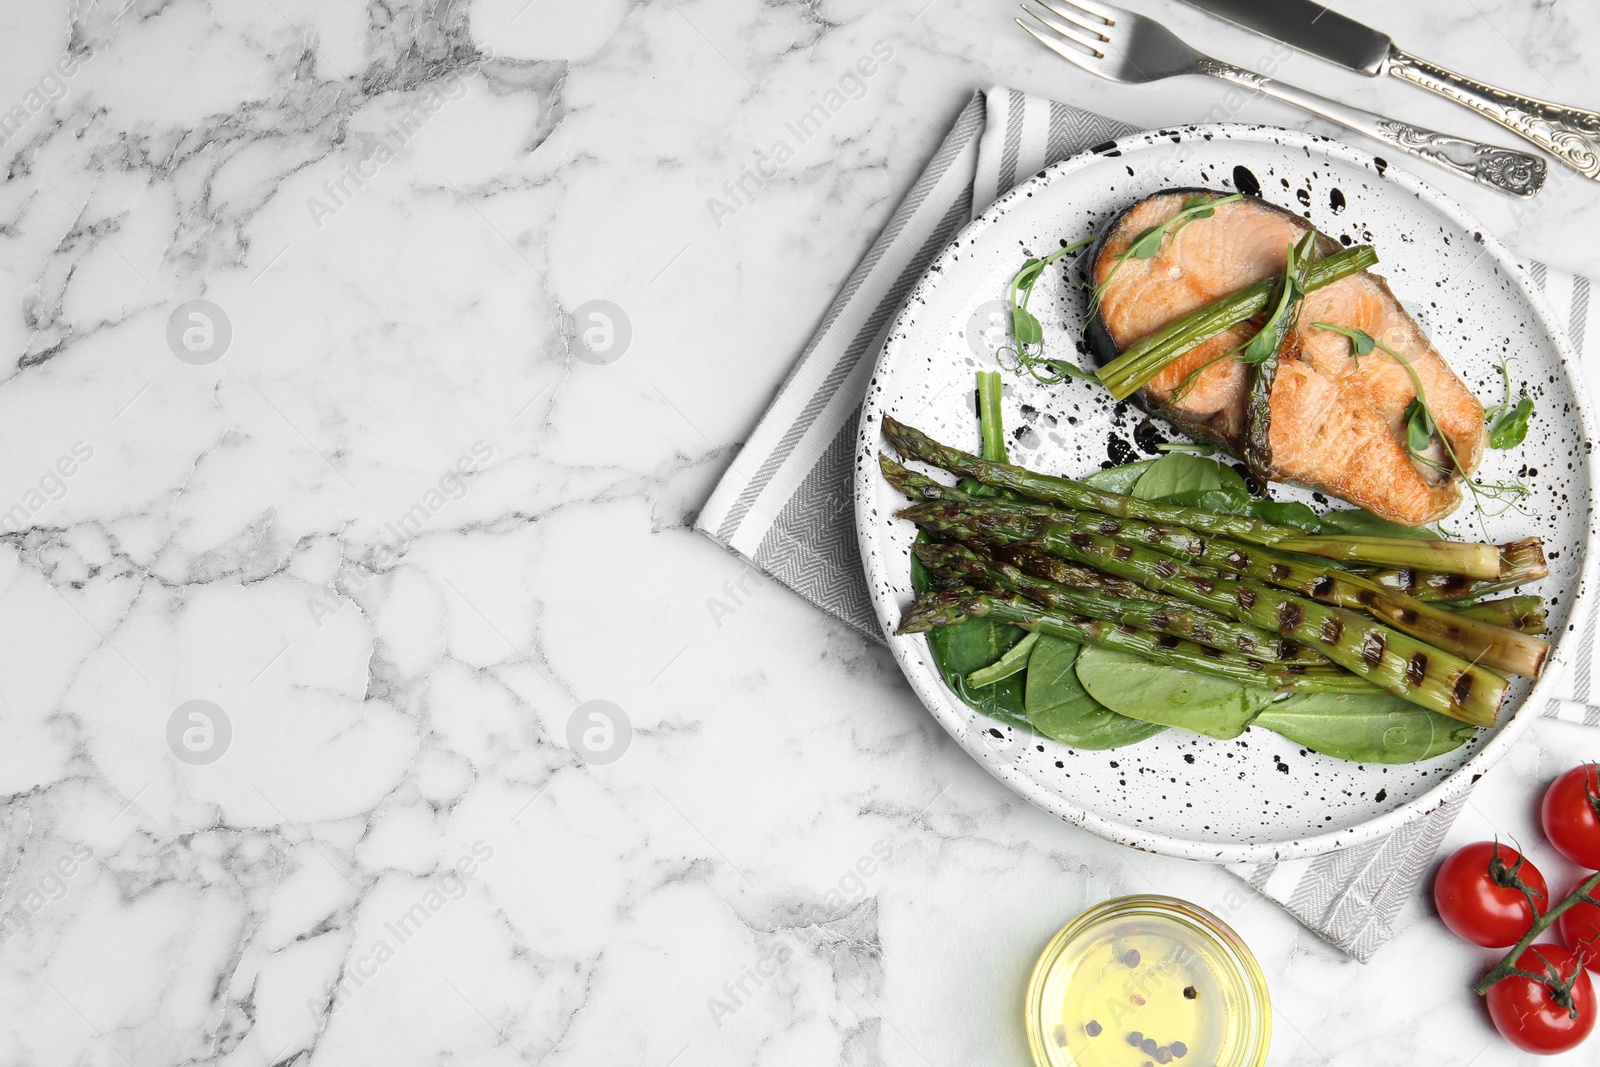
(1571, 816)
(1477, 896)
(1580, 929)
(1542, 1018)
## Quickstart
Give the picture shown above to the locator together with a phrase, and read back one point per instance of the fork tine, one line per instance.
(1108, 13)
(1066, 11)
(1076, 58)
(1071, 35)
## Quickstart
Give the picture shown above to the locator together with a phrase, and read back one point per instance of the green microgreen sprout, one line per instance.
(1508, 422)
(1422, 427)
(1199, 448)
(1148, 243)
(1027, 347)
(1264, 342)
(1291, 291)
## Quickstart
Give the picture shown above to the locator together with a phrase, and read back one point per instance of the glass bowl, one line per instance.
(1148, 980)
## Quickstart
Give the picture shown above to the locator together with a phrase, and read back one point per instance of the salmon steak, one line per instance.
(1338, 422)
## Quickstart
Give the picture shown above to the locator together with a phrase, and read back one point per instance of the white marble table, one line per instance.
(393, 205)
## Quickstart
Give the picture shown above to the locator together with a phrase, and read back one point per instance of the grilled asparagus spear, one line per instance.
(966, 566)
(1396, 662)
(1520, 562)
(1468, 636)
(1476, 561)
(950, 606)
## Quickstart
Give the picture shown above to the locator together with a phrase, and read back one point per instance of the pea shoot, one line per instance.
(1027, 347)
(1422, 427)
(1508, 422)
(1285, 304)
(1026, 353)
(1148, 243)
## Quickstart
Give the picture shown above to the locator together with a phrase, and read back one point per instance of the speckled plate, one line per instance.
(1258, 796)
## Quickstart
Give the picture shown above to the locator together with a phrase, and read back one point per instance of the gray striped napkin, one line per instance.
(785, 503)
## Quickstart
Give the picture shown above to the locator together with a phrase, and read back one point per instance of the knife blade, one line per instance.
(1310, 27)
(1571, 134)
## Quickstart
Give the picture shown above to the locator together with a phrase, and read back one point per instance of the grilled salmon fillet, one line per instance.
(1336, 424)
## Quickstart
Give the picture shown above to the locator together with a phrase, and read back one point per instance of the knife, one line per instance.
(1570, 134)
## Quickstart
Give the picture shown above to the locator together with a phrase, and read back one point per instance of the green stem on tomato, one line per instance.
(1582, 894)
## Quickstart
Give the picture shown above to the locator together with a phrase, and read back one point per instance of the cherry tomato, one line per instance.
(1478, 898)
(1580, 929)
(1540, 1017)
(1571, 816)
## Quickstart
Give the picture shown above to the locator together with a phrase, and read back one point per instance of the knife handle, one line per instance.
(1509, 171)
(1571, 134)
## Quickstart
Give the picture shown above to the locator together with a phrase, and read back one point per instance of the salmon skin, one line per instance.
(1337, 423)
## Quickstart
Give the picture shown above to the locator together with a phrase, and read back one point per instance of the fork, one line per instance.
(1122, 46)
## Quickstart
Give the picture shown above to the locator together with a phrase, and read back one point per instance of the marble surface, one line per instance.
(372, 511)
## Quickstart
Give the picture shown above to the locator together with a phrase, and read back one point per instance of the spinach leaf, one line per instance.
(967, 646)
(1120, 479)
(1366, 524)
(1232, 503)
(1379, 728)
(1286, 513)
(1181, 473)
(1195, 482)
(1220, 489)
(1240, 502)
(1171, 696)
(1061, 708)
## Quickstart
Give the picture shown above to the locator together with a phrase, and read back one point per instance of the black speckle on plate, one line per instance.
(1244, 180)
(1147, 437)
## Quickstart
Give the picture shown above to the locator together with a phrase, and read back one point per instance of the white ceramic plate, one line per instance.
(1258, 796)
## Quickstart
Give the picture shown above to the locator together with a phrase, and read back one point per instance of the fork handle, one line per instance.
(1517, 173)
(1571, 134)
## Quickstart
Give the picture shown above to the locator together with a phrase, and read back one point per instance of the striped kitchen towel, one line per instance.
(786, 505)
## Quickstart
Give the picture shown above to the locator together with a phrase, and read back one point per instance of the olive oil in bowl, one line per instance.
(1148, 980)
